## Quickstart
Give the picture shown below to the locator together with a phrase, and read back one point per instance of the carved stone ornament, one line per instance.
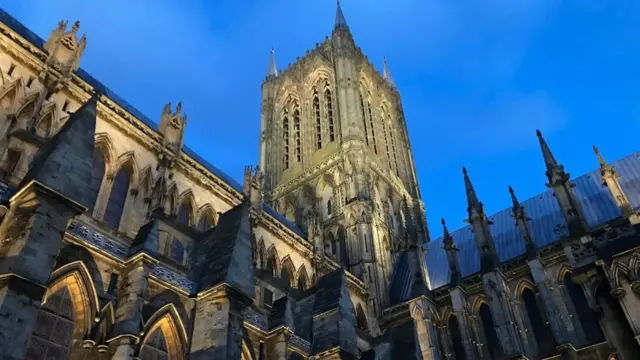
(618, 293)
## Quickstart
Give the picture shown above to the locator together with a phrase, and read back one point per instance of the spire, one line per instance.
(341, 22)
(452, 255)
(386, 74)
(447, 239)
(472, 198)
(553, 168)
(272, 70)
(522, 219)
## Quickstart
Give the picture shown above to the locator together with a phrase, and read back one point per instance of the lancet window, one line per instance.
(53, 332)
(393, 149)
(117, 198)
(373, 131)
(327, 96)
(285, 138)
(316, 111)
(155, 348)
(386, 144)
(364, 120)
(296, 134)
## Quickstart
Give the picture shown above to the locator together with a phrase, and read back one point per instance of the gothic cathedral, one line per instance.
(118, 242)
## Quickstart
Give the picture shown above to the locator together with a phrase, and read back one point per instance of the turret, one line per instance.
(452, 255)
(480, 226)
(522, 222)
(562, 188)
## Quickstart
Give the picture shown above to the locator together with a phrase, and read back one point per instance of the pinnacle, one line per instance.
(538, 133)
(599, 156)
(386, 74)
(341, 22)
(272, 70)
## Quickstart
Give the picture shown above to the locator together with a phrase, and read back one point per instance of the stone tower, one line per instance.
(335, 153)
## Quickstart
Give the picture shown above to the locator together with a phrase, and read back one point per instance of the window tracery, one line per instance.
(53, 331)
(155, 348)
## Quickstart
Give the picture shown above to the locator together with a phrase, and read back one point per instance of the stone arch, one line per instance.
(169, 322)
(361, 318)
(186, 206)
(26, 108)
(45, 123)
(288, 270)
(273, 260)
(303, 278)
(562, 272)
(146, 181)
(129, 159)
(634, 266)
(523, 285)
(317, 79)
(288, 98)
(76, 278)
(10, 93)
(171, 202)
(104, 143)
(206, 217)
(619, 273)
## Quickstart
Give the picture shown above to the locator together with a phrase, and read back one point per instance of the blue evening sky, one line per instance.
(477, 77)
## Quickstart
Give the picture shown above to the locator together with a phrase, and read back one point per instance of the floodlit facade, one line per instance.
(119, 242)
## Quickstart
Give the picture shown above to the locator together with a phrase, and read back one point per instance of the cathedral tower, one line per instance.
(335, 151)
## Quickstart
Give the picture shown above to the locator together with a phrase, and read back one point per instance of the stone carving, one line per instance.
(101, 241)
(258, 320)
(180, 281)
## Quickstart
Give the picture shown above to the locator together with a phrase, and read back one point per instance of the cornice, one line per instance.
(287, 235)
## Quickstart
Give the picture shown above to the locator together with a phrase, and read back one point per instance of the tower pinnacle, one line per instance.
(387, 75)
(472, 198)
(272, 70)
(553, 168)
(341, 22)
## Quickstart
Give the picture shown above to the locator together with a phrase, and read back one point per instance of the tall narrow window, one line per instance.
(316, 110)
(327, 99)
(364, 120)
(285, 138)
(493, 343)
(589, 322)
(386, 144)
(456, 338)
(118, 196)
(329, 207)
(541, 331)
(97, 173)
(53, 332)
(393, 149)
(296, 134)
(184, 213)
(205, 222)
(13, 157)
(373, 131)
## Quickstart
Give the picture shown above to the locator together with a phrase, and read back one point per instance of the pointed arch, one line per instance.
(262, 254)
(273, 261)
(303, 278)
(288, 270)
(146, 181)
(76, 276)
(169, 322)
(620, 272)
(45, 122)
(523, 285)
(10, 94)
(563, 270)
(120, 188)
(187, 208)
(634, 266)
(206, 217)
(129, 159)
(361, 318)
(171, 201)
(103, 142)
(26, 107)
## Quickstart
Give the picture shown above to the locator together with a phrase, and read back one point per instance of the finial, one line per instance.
(76, 26)
(514, 199)
(272, 70)
(599, 156)
(341, 22)
(179, 107)
(472, 198)
(444, 228)
(386, 74)
(549, 159)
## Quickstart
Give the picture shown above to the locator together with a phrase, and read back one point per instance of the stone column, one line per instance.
(126, 330)
(503, 317)
(459, 305)
(218, 325)
(557, 313)
(30, 238)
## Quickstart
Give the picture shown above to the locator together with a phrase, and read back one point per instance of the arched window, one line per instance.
(177, 251)
(344, 257)
(361, 319)
(587, 317)
(271, 264)
(327, 98)
(296, 134)
(285, 276)
(316, 110)
(44, 126)
(205, 222)
(184, 213)
(302, 283)
(493, 344)
(456, 338)
(155, 347)
(542, 333)
(393, 149)
(334, 245)
(97, 174)
(364, 119)
(386, 144)
(329, 207)
(117, 198)
(53, 331)
(285, 138)
(373, 131)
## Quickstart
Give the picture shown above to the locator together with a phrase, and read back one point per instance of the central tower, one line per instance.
(337, 161)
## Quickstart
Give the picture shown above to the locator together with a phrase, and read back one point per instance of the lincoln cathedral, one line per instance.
(119, 242)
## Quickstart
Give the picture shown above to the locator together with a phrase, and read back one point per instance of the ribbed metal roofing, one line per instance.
(547, 223)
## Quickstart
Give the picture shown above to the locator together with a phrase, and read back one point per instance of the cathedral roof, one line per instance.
(547, 222)
(30, 36)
